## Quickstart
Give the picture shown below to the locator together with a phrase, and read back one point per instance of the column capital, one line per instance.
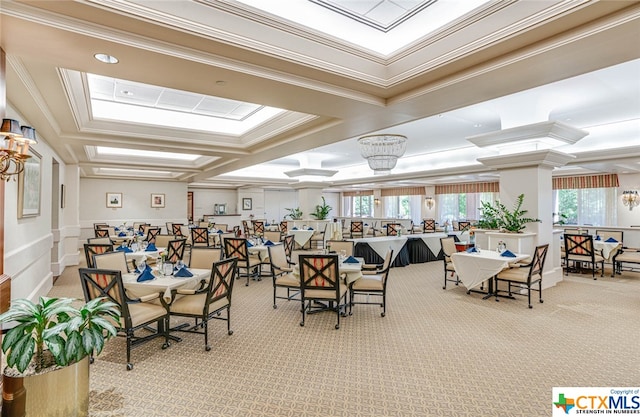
(544, 158)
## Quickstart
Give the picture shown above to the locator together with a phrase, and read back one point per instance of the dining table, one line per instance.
(301, 236)
(608, 249)
(474, 268)
(142, 255)
(162, 283)
(374, 249)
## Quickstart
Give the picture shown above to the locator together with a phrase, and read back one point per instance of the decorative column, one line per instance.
(529, 173)
(309, 196)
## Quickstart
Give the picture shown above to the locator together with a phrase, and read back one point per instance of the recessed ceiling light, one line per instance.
(107, 59)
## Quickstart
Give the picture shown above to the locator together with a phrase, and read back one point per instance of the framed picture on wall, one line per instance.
(114, 200)
(246, 204)
(29, 181)
(157, 200)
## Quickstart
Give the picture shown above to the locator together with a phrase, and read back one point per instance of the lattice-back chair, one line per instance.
(100, 226)
(236, 231)
(579, 250)
(169, 227)
(357, 228)
(393, 229)
(281, 272)
(258, 228)
(245, 228)
(136, 313)
(203, 258)
(372, 283)
(525, 275)
(152, 232)
(136, 226)
(338, 246)
(175, 250)
(428, 226)
(275, 237)
(100, 240)
(199, 236)
(320, 281)
(101, 232)
(116, 260)
(176, 229)
(284, 228)
(289, 242)
(143, 228)
(464, 225)
(448, 245)
(251, 266)
(317, 239)
(91, 249)
(207, 303)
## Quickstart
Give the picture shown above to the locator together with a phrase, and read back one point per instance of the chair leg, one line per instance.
(540, 291)
(274, 296)
(529, 295)
(129, 337)
(229, 331)
(384, 304)
(205, 328)
(302, 322)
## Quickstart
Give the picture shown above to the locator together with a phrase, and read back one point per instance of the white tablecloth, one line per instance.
(608, 248)
(381, 244)
(475, 268)
(162, 284)
(143, 255)
(301, 237)
(432, 240)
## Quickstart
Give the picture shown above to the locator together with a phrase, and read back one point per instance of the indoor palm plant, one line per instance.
(294, 213)
(49, 337)
(498, 216)
(322, 210)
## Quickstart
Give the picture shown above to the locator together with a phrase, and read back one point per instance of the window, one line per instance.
(463, 206)
(586, 206)
(404, 207)
(358, 206)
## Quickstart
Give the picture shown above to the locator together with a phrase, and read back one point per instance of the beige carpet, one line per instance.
(436, 353)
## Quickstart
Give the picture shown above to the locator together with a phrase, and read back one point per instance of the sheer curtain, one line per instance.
(347, 206)
(597, 206)
(415, 208)
(448, 207)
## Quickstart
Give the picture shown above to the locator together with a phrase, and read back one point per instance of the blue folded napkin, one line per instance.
(122, 234)
(267, 224)
(611, 240)
(598, 237)
(350, 260)
(117, 229)
(311, 228)
(366, 224)
(295, 228)
(151, 247)
(472, 249)
(125, 249)
(508, 254)
(220, 231)
(269, 243)
(249, 244)
(182, 272)
(146, 275)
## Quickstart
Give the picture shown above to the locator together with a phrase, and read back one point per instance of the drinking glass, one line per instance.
(141, 266)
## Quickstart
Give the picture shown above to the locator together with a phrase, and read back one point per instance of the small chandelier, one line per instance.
(382, 151)
(630, 198)
(15, 148)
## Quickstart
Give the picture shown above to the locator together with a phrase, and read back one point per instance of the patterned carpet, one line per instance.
(436, 353)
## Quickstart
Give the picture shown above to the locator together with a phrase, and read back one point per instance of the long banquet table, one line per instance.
(374, 249)
(425, 247)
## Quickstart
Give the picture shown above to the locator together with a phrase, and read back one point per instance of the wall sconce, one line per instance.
(15, 148)
(376, 201)
(630, 198)
(430, 202)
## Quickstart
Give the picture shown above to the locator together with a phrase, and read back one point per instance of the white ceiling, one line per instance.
(260, 92)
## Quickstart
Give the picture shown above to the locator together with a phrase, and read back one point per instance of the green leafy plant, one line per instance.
(322, 210)
(294, 213)
(498, 216)
(68, 333)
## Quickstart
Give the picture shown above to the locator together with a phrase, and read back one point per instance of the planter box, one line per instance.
(63, 392)
(516, 242)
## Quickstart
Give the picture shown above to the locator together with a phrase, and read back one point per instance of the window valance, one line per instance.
(396, 191)
(473, 187)
(586, 181)
(357, 193)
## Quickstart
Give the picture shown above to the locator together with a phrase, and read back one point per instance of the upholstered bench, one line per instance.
(625, 256)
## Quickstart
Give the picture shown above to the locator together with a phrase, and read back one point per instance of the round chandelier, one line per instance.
(382, 151)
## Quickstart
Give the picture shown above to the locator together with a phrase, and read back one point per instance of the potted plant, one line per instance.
(322, 210)
(294, 213)
(49, 346)
(498, 216)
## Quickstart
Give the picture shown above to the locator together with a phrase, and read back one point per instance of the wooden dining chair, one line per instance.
(372, 283)
(206, 304)
(199, 236)
(579, 250)
(176, 229)
(357, 229)
(282, 274)
(175, 250)
(428, 226)
(258, 228)
(101, 232)
(320, 282)
(393, 229)
(91, 249)
(252, 266)
(137, 314)
(283, 228)
(152, 232)
(289, 243)
(112, 260)
(245, 228)
(524, 276)
(464, 225)
(448, 245)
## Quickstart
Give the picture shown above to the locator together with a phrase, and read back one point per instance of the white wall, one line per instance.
(33, 247)
(204, 201)
(136, 203)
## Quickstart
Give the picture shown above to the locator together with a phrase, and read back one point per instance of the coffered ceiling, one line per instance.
(236, 93)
